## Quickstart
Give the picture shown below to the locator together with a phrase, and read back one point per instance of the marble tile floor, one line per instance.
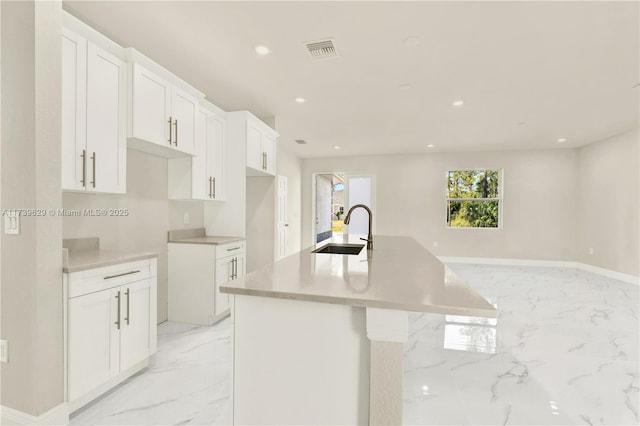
(563, 351)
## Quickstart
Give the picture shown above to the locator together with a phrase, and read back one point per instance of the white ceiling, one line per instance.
(529, 72)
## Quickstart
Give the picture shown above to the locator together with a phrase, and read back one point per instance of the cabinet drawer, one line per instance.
(230, 249)
(92, 280)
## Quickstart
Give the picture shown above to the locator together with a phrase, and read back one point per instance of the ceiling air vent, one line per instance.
(301, 142)
(322, 49)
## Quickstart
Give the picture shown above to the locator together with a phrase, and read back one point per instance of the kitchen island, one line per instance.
(318, 337)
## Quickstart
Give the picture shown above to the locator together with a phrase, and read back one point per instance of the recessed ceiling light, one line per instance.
(300, 100)
(562, 140)
(430, 145)
(404, 86)
(458, 103)
(336, 147)
(411, 41)
(262, 50)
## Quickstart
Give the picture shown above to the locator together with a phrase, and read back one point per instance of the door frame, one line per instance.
(374, 198)
(279, 179)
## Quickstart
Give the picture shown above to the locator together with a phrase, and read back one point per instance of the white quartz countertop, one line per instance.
(198, 236)
(80, 254)
(90, 259)
(207, 240)
(397, 274)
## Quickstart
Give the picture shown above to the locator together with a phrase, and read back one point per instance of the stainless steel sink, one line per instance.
(340, 249)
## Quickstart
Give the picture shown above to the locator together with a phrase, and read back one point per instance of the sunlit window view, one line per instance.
(473, 198)
(330, 205)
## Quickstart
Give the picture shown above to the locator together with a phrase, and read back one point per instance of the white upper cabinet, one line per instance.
(183, 114)
(93, 117)
(163, 108)
(259, 139)
(202, 177)
(215, 156)
(151, 107)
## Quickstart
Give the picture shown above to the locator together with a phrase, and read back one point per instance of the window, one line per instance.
(473, 198)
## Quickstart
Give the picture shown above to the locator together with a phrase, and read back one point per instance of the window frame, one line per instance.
(499, 198)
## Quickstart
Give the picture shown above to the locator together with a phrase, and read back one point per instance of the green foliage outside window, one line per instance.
(473, 198)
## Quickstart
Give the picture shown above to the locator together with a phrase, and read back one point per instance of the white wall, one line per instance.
(261, 206)
(609, 188)
(261, 211)
(540, 200)
(151, 216)
(290, 165)
(32, 380)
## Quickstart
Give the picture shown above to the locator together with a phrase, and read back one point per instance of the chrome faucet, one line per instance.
(347, 219)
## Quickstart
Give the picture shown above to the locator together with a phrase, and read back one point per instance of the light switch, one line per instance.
(12, 223)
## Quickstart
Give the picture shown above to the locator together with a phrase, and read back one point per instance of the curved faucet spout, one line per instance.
(347, 219)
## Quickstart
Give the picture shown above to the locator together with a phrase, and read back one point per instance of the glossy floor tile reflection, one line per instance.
(188, 382)
(564, 350)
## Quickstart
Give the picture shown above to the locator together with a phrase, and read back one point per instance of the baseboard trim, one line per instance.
(58, 415)
(631, 279)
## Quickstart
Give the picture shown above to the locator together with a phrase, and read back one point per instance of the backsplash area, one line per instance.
(146, 215)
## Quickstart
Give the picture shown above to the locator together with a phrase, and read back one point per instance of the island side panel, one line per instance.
(386, 383)
(299, 362)
(388, 330)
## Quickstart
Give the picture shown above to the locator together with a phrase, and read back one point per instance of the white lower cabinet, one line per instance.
(196, 272)
(228, 269)
(111, 327)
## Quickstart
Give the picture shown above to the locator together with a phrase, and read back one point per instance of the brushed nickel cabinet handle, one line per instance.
(93, 159)
(235, 248)
(108, 277)
(128, 292)
(175, 122)
(84, 168)
(170, 137)
(117, 323)
(214, 188)
(233, 268)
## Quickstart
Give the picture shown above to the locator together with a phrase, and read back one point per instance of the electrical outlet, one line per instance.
(12, 223)
(591, 251)
(186, 218)
(4, 350)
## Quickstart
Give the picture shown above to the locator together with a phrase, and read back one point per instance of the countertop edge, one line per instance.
(363, 303)
(193, 240)
(100, 264)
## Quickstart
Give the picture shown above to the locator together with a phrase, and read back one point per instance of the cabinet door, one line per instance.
(183, 112)
(150, 107)
(254, 147)
(106, 121)
(224, 273)
(200, 178)
(241, 267)
(93, 341)
(74, 61)
(134, 323)
(269, 150)
(215, 156)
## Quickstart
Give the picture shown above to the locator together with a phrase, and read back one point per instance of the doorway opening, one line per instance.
(329, 205)
(335, 193)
